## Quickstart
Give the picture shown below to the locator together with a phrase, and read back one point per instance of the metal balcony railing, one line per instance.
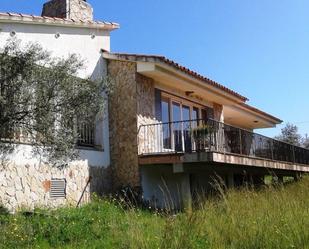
(86, 135)
(213, 136)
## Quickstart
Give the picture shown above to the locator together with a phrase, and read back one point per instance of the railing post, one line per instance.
(294, 159)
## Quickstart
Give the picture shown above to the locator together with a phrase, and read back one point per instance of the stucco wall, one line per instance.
(72, 40)
(162, 188)
(123, 124)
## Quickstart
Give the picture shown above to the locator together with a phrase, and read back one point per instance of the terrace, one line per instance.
(194, 141)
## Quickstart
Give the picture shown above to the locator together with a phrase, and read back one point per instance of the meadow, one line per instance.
(272, 217)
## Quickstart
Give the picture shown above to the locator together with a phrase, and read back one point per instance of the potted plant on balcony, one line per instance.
(202, 136)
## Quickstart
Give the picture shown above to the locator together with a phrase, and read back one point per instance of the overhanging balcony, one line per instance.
(210, 140)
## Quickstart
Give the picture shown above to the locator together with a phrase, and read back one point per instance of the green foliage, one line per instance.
(245, 219)
(306, 142)
(41, 100)
(289, 134)
(201, 131)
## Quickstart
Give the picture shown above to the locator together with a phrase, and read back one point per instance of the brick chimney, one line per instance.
(69, 9)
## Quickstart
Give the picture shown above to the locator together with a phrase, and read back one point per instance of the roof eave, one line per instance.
(267, 116)
(166, 62)
(53, 21)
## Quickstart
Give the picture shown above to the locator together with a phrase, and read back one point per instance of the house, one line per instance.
(175, 130)
(65, 27)
(168, 131)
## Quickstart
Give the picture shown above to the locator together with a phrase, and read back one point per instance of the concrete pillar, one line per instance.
(258, 180)
(186, 192)
(280, 179)
(297, 177)
(230, 180)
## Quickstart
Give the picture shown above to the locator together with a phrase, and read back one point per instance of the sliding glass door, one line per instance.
(177, 126)
(179, 117)
(186, 127)
(166, 127)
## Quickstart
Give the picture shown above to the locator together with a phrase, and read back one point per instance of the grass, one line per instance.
(269, 218)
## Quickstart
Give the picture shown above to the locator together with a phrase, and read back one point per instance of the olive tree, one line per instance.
(42, 101)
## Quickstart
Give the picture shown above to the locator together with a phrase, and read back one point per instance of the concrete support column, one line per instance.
(230, 180)
(280, 179)
(186, 192)
(297, 177)
(258, 180)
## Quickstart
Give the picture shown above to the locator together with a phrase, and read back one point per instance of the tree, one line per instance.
(289, 134)
(42, 100)
(305, 142)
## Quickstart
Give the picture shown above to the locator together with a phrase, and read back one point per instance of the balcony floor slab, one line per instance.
(220, 158)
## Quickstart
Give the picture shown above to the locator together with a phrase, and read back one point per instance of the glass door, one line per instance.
(177, 126)
(166, 126)
(186, 125)
(180, 123)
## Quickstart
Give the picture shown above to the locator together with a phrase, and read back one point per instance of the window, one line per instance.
(86, 132)
(57, 188)
(174, 109)
(179, 116)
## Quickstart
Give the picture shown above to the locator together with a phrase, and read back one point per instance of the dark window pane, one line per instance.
(186, 125)
(165, 108)
(177, 127)
(195, 114)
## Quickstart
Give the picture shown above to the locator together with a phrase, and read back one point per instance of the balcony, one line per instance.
(185, 139)
(85, 131)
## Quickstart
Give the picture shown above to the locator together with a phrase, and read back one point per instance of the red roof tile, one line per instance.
(55, 20)
(186, 70)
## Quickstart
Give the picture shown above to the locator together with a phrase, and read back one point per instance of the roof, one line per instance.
(254, 109)
(24, 18)
(163, 59)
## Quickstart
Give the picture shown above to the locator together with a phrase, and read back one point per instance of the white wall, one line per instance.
(71, 40)
(161, 187)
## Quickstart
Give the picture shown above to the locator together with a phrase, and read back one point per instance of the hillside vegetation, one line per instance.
(269, 218)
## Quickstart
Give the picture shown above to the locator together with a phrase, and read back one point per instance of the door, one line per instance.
(177, 126)
(186, 126)
(166, 125)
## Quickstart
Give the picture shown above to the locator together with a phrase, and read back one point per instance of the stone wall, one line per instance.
(73, 9)
(145, 100)
(123, 124)
(149, 137)
(28, 186)
(80, 10)
(218, 112)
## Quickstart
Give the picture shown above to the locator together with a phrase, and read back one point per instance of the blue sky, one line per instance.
(258, 48)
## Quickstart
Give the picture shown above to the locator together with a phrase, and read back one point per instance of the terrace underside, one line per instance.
(230, 161)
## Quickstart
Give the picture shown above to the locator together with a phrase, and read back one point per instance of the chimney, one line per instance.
(69, 9)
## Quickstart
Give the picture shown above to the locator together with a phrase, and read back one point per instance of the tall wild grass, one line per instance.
(274, 217)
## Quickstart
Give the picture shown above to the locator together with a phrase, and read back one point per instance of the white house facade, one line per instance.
(25, 181)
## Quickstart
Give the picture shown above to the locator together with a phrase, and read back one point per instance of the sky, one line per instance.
(257, 48)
